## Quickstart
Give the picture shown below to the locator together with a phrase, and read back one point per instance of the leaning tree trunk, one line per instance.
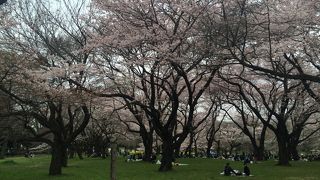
(167, 156)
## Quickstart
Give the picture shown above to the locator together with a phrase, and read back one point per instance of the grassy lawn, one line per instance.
(198, 169)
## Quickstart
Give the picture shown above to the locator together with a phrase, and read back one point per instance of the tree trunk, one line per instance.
(195, 149)
(294, 152)
(208, 150)
(283, 153)
(79, 152)
(258, 150)
(113, 160)
(189, 148)
(4, 147)
(103, 152)
(158, 146)
(64, 152)
(56, 159)
(293, 144)
(158, 149)
(218, 147)
(177, 151)
(147, 142)
(167, 156)
(71, 153)
(258, 153)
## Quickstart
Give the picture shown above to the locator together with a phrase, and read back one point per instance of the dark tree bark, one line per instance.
(294, 154)
(208, 148)
(177, 151)
(284, 154)
(282, 136)
(64, 155)
(191, 142)
(218, 149)
(71, 151)
(196, 148)
(167, 156)
(147, 142)
(79, 153)
(293, 143)
(214, 125)
(4, 146)
(56, 158)
(258, 153)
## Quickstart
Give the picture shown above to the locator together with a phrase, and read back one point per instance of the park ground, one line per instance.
(197, 169)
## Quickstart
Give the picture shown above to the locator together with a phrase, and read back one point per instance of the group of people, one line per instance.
(228, 171)
(134, 156)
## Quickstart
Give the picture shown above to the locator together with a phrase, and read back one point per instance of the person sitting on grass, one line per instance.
(228, 170)
(246, 170)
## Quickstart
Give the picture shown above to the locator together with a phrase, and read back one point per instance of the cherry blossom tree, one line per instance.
(246, 120)
(201, 115)
(44, 44)
(134, 117)
(265, 35)
(165, 46)
(274, 38)
(140, 124)
(212, 128)
(278, 99)
(304, 123)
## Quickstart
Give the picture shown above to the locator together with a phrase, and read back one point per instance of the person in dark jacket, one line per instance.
(228, 170)
(246, 170)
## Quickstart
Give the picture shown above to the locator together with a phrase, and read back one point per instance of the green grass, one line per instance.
(198, 169)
